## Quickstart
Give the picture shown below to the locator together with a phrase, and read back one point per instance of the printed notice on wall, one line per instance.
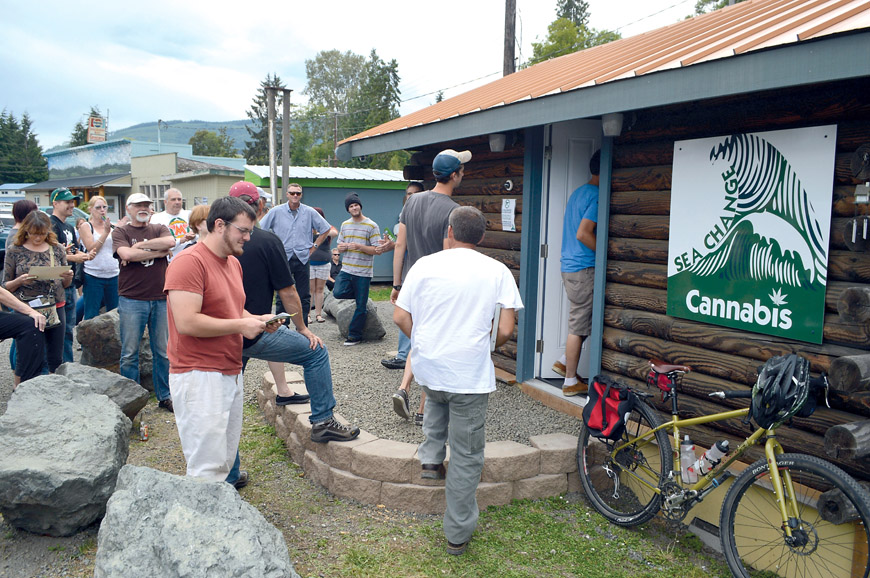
(508, 214)
(750, 229)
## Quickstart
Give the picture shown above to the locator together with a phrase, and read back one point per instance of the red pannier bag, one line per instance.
(608, 407)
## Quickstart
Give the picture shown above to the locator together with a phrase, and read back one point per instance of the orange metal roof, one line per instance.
(737, 29)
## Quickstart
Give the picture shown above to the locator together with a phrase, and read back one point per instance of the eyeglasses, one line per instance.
(242, 230)
(248, 199)
(294, 193)
(101, 207)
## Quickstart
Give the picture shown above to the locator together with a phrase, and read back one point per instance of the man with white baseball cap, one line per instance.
(424, 222)
(143, 248)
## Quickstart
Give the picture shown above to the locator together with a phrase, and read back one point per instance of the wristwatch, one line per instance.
(397, 287)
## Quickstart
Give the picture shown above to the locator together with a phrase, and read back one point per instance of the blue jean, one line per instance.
(404, 346)
(69, 312)
(233, 476)
(349, 286)
(457, 419)
(98, 292)
(288, 346)
(134, 316)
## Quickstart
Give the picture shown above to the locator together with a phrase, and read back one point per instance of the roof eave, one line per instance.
(827, 59)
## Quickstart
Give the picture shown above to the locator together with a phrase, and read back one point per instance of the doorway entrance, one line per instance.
(572, 145)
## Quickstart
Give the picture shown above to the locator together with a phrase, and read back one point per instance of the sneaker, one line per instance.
(242, 481)
(393, 363)
(559, 368)
(288, 399)
(167, 405)
(401, 405)
(418, 419)
(577, 388)
(433, 472)
(456, 549)
(350, 342)
(332, 430)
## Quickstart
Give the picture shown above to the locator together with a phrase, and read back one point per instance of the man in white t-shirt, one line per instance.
(176, 219)
(447, 306)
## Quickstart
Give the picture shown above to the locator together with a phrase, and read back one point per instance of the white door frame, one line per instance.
(571, 144)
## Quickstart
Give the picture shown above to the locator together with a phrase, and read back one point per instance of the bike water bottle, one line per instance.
(687, 459)
(711, 458)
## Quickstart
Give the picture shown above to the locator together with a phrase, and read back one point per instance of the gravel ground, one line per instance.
(363, 390)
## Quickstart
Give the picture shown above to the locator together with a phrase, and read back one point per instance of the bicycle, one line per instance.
(769, 524)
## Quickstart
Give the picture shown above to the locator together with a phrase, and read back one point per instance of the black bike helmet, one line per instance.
(780, 391)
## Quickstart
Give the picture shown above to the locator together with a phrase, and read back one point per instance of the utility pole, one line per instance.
(273, 169)
(510, 25)
(285, 142)
(335, 138)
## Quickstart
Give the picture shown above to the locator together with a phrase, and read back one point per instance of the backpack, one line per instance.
(608, 407)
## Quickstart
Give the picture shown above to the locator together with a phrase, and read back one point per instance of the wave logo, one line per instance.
(753, 235)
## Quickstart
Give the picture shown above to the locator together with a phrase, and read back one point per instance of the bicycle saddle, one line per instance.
(662, 367)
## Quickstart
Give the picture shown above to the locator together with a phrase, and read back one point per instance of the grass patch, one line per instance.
(380, 292)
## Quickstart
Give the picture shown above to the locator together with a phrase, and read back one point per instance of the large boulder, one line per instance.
(61, 448)
(173, 526)
(129, 395)
(100, 338)
(342, 310)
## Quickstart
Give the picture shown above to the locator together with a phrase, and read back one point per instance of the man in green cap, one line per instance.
(63, 202)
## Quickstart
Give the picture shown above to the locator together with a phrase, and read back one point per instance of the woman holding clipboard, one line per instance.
(36, 245)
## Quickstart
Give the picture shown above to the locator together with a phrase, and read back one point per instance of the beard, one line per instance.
(143, 217)
(232, 248)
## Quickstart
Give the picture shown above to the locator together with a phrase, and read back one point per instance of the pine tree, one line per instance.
(21, 159)
(257, 149)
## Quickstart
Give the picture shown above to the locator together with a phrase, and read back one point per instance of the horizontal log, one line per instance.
(637, 250)
(853, 304)
(640, 226)
(850, 373)
(642, 274)
(848, 441)
(504, 363)
(509, 258)
(488, 187)
(640, 203)
(493, 222)
(643, 154)
(651, 178)
(488, 203)
(700, 385)
(848, 266)
(745, 344)
(508, 168)
(504, 240)
(833, 506)
(636, 297)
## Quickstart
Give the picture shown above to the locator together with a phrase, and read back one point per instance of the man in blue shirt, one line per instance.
(578, 273)
(293, 223)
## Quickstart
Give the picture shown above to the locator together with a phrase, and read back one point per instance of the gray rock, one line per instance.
(172, 526)
(129, 395)
(61, 448)
(342, 310)
(101, 346)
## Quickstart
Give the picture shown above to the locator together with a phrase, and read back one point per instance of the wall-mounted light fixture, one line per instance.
(496, 142)
(611, 124)
(862, 194)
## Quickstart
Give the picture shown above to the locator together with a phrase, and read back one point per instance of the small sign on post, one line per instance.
(96, 129)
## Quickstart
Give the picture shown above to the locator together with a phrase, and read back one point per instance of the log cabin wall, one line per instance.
(636, 325)
(483, 187)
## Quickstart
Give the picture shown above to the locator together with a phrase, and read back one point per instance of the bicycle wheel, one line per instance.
(750, 523)
(621, 486)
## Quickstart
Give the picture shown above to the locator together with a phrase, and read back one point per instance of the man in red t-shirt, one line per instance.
(207, 320)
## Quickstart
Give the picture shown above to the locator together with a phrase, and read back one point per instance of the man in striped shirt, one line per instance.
(360, 240)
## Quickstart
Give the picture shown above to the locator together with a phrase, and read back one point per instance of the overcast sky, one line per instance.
(204, 60)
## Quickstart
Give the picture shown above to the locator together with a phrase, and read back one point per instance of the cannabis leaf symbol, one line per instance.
(777, 297)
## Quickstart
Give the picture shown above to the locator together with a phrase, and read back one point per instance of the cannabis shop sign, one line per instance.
(749, 231)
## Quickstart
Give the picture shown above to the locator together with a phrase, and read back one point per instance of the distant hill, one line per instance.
(180, 131)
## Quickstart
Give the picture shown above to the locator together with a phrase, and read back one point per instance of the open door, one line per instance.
(572, 145)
